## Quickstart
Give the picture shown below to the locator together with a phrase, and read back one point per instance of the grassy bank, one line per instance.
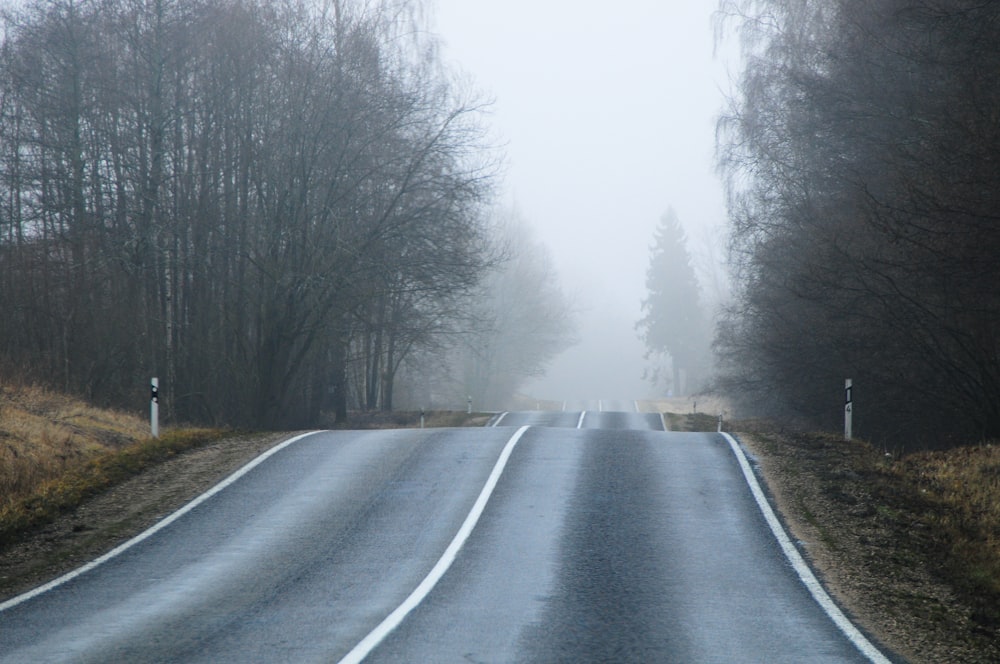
(43, 434)
(962, 490)
(56, 451)
(910, 545)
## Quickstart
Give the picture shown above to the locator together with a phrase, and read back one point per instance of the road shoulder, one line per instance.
(123, 511)
(874, 556)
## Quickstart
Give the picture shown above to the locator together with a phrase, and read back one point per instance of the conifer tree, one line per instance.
(673, 322)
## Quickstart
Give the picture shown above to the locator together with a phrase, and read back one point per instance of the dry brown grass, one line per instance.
(966, 482)
(56, 451)
(709, 404)
(43, 435)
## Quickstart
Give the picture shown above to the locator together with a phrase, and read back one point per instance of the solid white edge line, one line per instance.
(160, 525)
(496, 422)
(859, 640)
(367, 644)
(663, 422)
(636, 404)
(579, 422)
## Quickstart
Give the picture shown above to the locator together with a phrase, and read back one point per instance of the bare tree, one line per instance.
(521, 319)
(217, 192)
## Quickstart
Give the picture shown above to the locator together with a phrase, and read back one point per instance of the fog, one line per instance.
(608, 118)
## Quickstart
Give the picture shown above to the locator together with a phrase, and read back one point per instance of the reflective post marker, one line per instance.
(848, 408)
(154, 407)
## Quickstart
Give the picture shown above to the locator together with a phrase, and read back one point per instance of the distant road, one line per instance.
(602, 405)
(601, 538)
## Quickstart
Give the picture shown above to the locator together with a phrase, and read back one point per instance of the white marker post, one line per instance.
(154, 407)
(848, 408)
(468, 409)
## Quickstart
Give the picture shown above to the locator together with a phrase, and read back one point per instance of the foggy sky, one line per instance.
(608, 117)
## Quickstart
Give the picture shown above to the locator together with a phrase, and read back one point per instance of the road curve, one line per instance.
(604, 540)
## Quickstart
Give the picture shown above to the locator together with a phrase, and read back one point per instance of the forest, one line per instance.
(861, 151)
(271, 206)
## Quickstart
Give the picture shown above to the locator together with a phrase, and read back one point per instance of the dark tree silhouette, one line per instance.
(863, 195)
(235, 196)
(673, 321)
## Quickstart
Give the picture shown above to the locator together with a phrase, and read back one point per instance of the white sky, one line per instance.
(608, 114)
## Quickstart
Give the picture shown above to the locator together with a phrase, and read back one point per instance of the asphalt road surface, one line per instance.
(552, 537)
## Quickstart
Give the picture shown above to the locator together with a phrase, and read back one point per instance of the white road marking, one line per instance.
(805, 574)
(14, 601)
(496, 422)
(636, 405)
(579, 423)
(367, 644)
(663, 421)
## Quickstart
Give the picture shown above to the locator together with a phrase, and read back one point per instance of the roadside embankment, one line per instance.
(910, 546)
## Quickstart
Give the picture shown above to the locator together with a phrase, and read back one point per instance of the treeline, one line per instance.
(266, 204)
(862, 152)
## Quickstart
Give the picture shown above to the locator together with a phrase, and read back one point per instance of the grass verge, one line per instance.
(908, 545)
(963, 487)
(44, 434)
(57, 451)
(54, 497)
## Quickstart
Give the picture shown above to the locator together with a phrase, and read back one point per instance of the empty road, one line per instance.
(553, 537)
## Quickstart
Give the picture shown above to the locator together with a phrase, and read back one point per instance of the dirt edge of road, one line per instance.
(869, 548)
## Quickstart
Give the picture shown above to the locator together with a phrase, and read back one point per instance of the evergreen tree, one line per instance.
(673, 322)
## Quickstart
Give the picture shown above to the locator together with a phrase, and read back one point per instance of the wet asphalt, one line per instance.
(606, 539)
